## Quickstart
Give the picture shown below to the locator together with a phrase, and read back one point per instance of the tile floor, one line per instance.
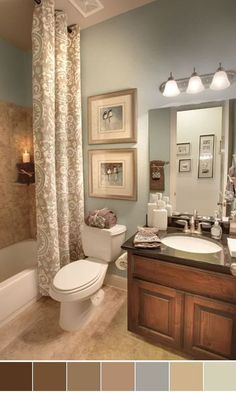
(36, 335)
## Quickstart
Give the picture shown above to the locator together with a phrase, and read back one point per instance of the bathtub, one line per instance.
(18, 279)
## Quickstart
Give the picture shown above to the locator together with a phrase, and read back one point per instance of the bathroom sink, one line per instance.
(191, 244)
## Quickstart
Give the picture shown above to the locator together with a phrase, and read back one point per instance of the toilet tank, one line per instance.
(104, 244)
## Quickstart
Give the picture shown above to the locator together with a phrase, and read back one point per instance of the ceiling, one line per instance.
(16, 17)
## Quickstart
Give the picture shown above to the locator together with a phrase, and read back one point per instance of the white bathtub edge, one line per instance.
(19, 310)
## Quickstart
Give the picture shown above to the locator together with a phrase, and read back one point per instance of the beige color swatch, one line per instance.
(186, 376)
(117, 376)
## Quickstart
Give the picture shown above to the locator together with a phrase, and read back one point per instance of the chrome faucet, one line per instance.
(192, 223)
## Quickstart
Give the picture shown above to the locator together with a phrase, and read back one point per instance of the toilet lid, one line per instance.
(77, 275)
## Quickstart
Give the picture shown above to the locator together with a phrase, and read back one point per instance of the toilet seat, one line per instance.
(77, 276)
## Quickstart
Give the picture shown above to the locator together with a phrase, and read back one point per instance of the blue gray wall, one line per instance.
(15, 75)
(139, 49)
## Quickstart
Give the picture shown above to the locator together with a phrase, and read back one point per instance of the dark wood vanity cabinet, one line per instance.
(209, 328)
(157, 312)
(186, 308)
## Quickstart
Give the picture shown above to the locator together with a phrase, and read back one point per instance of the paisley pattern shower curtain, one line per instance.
(57, 140)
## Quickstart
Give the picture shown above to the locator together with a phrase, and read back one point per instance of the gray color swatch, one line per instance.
(152, 376)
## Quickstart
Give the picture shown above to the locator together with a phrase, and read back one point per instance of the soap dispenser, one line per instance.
(216, 230)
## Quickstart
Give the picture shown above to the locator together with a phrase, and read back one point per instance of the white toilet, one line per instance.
(78, 285)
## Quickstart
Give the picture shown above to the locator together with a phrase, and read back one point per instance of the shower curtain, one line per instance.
(57, 140)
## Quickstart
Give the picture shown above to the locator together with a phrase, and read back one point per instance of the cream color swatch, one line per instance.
(220, 376)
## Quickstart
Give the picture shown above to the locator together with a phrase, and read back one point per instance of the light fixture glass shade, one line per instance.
(171, 88)
(195, 84)
(220, 80)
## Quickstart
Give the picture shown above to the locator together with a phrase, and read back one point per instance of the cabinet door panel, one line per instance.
(156, 312)
(210, 328)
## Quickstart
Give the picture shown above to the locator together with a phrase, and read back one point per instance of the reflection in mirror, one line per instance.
(197, 140)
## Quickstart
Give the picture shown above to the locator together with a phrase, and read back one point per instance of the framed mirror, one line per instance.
(198, 143)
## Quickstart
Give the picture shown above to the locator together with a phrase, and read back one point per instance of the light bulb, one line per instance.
(171, 88)
(220, 80)
(195, 84)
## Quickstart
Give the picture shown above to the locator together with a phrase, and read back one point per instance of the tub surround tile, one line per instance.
(15, 136)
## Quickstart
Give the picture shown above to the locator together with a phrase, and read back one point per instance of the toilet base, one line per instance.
(75, 314)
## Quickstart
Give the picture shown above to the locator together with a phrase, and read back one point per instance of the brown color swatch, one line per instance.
(117, 376)
(15, 376)
(49, 376)
(186, 376)
(83, 376)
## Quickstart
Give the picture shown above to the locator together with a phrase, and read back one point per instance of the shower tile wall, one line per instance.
(17, 201)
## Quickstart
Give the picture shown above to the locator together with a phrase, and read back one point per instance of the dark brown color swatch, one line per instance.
(83, 376)
(49, 376)
(117, 376)
(15, 376)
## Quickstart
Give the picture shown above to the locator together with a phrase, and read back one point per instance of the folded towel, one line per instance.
(147, 238)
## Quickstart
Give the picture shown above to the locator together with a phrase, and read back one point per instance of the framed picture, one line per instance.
(206, 156)
(183, 149)
(185, 165)
(112, 117)
(112, 174)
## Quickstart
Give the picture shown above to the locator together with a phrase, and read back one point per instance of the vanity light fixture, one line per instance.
(219, 80)
(195, 84)
(171, 88)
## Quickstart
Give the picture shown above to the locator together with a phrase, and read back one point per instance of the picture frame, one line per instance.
(185, 165)
(113, 173)
(183, 149)
(206, 156)
(112, 117)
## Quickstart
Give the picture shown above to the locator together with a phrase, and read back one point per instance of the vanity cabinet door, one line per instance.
(156, 312)
(210, 328)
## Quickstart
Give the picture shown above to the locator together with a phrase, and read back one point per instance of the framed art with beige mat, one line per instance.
(112, 117)
(112, 174)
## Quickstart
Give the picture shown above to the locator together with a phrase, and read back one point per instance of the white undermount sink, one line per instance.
(191, 244)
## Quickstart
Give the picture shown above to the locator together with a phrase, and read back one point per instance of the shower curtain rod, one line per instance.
(70, 28)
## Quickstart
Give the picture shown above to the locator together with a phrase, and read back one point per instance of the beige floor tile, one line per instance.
(35, 334)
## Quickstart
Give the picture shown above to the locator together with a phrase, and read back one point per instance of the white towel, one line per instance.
(232, 246)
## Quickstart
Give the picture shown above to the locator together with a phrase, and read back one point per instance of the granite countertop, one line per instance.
(218, 262)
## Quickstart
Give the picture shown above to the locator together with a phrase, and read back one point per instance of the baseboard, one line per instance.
(113, 280)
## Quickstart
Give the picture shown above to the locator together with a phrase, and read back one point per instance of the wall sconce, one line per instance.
(219, 80)
(171, 88)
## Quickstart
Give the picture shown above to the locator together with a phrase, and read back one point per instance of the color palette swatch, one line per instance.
(118, 376)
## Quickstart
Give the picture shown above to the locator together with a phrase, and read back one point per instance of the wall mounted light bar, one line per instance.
(219, 80)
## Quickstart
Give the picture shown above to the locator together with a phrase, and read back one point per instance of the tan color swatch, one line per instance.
(186, 376)
(117, 376)
(83, 376)
(49, 376)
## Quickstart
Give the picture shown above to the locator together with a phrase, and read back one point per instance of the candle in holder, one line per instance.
(26, 157)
